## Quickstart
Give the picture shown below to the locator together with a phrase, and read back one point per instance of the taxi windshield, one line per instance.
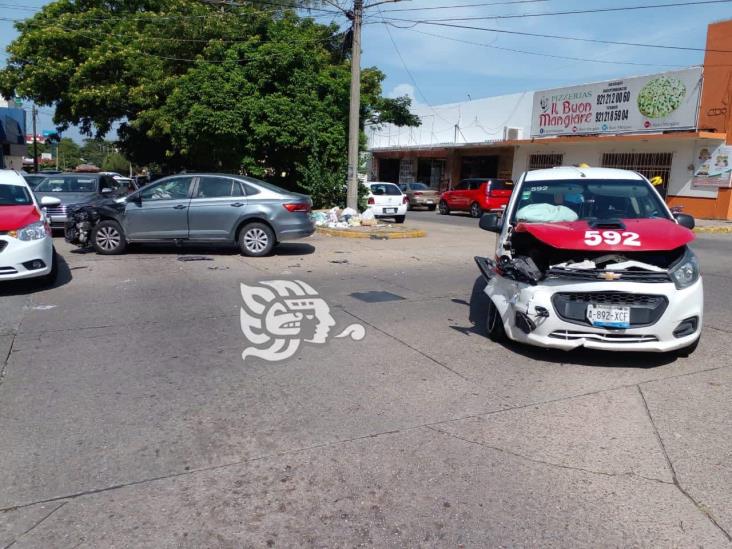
(14, 195)
(591, 199)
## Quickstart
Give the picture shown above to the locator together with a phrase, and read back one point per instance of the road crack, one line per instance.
(36, 525)
(548, 463)
(702, 509)
(395, 338)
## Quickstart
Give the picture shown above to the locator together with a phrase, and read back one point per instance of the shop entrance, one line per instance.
(430, 171)
(389, 170)
(479, 166)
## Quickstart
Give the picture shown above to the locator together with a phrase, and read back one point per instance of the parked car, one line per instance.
(592, 257)
(387, 200)
(477, 195)
(77, 188)
(33, 180)
(420, 195)
(26, 244)
(196, 208)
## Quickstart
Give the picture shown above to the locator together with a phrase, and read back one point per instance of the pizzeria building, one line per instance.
(675, 125)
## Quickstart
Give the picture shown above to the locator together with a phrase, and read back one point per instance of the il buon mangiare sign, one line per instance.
(657, 102)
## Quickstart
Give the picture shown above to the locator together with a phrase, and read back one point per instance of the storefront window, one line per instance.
(649, 165)
(479, 166)
(543, 161)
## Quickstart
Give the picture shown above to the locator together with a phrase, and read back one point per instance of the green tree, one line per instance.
(115, 162)
(68, 151)
(255, 89)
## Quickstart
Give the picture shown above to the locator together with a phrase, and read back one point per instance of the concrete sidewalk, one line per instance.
(713, 226)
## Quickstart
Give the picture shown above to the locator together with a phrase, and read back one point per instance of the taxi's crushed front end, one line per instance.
(610, 303)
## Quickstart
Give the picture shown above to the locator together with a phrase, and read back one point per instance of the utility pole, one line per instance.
(355, 107)
(34, 113)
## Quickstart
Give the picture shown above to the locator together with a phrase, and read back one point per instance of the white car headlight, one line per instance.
(686, 272)
(34, 231)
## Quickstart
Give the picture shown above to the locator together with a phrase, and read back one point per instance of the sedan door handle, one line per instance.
(237, 204)
(180, 207)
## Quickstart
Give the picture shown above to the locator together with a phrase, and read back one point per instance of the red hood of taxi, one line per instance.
(653, 235)
(16, 217)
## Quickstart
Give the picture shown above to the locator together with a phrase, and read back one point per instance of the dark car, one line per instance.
(77, 188)
(196, 208)
(34, 180)
(477, 195)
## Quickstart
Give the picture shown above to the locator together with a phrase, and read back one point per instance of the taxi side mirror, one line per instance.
(685, 220)
(490, 222)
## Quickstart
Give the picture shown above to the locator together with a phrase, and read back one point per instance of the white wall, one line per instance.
(479, 121)
(683, 150)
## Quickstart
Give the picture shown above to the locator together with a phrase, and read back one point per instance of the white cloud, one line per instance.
(400, 90)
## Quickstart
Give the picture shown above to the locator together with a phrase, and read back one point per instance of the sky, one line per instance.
(438, 64)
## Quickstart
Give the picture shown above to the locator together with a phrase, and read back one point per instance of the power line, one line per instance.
(152, 17)
(536, 53)
(388, 21)
(574, 12)
(164, 57)
(480, 4)
(409, 73)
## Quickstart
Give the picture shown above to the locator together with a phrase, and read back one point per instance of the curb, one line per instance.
(718, 230)
(375, 235)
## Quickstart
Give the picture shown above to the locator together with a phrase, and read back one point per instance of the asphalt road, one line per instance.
(129, 419)
(459, 219)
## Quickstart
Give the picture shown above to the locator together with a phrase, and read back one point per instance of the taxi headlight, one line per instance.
(686, 272)
(34, 231)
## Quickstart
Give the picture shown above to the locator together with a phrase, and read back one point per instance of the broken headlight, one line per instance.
(686, 271)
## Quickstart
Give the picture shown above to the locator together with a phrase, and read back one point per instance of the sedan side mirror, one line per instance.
(685, 220)
(490, 222)
(50, 201)
(135, 198)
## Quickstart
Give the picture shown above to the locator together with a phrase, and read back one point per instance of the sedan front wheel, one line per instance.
(108, 238)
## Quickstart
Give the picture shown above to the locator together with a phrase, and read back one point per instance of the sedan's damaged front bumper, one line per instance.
(663, 318)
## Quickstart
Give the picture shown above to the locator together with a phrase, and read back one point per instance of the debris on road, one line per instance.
(195, 258)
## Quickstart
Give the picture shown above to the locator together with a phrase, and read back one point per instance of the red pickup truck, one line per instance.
(477, 195)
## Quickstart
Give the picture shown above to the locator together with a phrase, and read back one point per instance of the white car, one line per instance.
(592, 257)
(26, 244)
(387, 200)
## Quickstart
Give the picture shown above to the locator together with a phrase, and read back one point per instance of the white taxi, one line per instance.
(26, 243)
(592, 257)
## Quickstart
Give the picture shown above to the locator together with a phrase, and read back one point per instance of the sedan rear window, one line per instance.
(501, 184)
(389, 189)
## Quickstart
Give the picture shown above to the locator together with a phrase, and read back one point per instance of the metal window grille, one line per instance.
(649, 165)
(541, 161)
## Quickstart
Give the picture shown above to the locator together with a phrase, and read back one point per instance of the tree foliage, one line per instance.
(255, 89)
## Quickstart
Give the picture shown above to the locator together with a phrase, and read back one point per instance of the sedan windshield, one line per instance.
(68, 184)
(14, 195)
(557, 200)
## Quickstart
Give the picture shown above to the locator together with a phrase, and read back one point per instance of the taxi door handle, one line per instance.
(180, 207)
(237, 204)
